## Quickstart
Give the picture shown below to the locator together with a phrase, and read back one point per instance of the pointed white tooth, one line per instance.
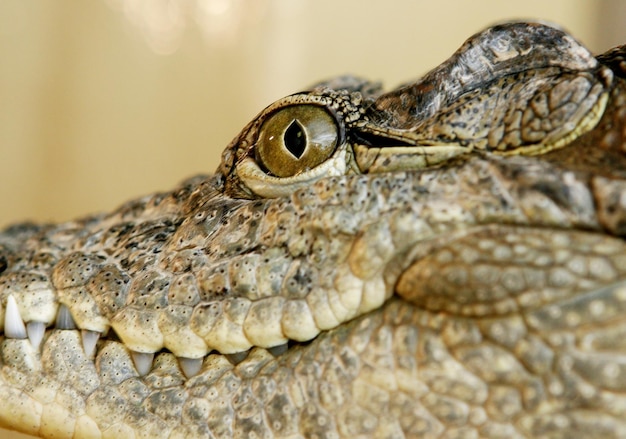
(190, 366)
(90, 338)
(64, 318)
(143, 361)
(13, 323)
(35, 331)
(237, 357)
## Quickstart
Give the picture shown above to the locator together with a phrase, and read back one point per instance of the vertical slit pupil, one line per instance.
(295, 139)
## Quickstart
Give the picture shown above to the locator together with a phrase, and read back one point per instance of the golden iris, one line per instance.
(295, 139)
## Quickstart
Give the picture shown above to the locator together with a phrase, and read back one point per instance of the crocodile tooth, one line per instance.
(143, 361)
(190, 366)
(90, 338)
(13, 323)
(35, 331)
(237, 357)
(64, 318)
(278, 350)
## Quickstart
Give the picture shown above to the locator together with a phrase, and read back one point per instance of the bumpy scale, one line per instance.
(443, 260)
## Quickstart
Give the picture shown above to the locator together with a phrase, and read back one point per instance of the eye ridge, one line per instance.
(295, 139)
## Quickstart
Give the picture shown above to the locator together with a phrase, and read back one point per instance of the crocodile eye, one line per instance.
(295, 139)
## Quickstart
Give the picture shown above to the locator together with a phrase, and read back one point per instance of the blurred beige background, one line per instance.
(103, 100)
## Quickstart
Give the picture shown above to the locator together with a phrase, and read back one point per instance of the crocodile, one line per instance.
(445, 259)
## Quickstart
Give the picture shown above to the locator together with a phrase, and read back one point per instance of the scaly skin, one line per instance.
(440, 272)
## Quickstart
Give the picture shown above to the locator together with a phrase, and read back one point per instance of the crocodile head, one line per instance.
(443, 259)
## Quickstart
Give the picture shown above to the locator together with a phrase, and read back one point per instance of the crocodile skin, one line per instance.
(443, 260)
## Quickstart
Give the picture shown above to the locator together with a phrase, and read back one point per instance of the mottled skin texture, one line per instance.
(453, 268)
